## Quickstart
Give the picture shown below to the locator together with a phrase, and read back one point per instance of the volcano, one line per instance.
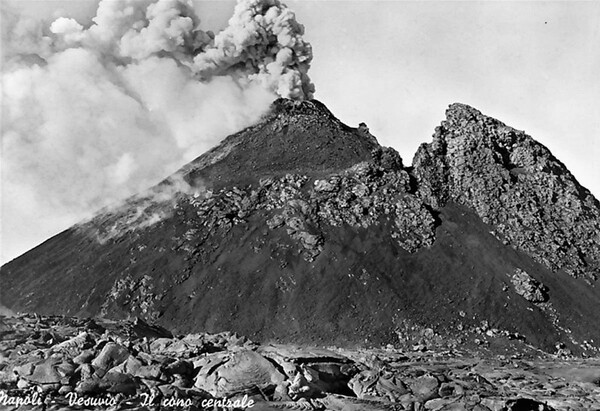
(303, 229)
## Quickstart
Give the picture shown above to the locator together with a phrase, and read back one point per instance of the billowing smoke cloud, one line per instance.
(265, 39)
(94, 112)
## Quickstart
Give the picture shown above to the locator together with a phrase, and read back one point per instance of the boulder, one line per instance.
(89, 386)
(85, 357)
(116, 382)
(237, 372)
(189, 346)
(180, 367)
(45, 372)
(111, 355)
(370, 384)
(75, 344)
(528, 287)
(149, 372)
(130, 366)
(425, 387)
(302, 387)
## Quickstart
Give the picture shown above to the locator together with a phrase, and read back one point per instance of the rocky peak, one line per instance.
(515, 184)
(293, 137)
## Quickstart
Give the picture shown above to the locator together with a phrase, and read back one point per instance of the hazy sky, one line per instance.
(397, 65)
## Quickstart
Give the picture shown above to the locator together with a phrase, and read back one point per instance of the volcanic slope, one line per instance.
(305, 230)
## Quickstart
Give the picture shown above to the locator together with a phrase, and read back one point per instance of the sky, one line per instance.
(395, 65)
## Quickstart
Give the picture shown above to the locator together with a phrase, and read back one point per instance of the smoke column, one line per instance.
(92, 113)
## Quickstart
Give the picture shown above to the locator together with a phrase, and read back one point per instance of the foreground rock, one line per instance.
(60, 363)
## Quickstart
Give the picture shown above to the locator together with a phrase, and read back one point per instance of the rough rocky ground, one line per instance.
(302, 229)
(123, 365)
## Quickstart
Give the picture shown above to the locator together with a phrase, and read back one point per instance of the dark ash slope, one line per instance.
(303, 229)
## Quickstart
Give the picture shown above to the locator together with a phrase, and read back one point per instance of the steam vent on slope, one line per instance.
(302, 229)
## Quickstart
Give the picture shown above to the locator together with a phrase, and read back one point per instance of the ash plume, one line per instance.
(93, 112)
(263, 37)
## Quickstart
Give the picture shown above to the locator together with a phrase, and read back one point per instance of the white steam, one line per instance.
(94, 112)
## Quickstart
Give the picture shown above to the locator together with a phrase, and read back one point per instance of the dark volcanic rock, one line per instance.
(111, 355)
(516, 185)
(528, 287)
(277, 377)
(239, 372)
(303, 229)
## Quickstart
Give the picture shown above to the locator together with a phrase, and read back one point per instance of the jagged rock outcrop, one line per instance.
(527, 287)
(514, 184)
(359, 197)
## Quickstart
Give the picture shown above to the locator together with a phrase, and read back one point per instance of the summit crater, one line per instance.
(293, 137)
